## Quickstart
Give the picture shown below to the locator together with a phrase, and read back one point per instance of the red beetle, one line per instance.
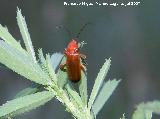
(73, 64)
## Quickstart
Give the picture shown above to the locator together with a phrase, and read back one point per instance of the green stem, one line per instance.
(78, 113)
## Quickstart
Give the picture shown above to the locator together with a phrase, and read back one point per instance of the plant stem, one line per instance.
(78, 113)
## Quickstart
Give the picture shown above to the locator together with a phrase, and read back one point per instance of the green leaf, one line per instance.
(62, 76)
(145, 110)
(25, 34)
(56, 60)
(99, 80)
(104, 95)
(51, 72)
(42, 60)
(30, 90)
(25, 104)
(22, 64)
(83, 88)
(41, 56)
(74, 96)
(8, 38)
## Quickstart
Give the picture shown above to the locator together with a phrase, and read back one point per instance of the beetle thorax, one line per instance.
(72, 47)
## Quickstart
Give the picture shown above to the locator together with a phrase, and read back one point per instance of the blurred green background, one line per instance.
(129, 35)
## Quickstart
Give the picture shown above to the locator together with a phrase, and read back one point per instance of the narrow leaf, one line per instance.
(42, 61)
(98, 82)
(56, 60)
(8, 38)
(41, 57)
(30, 90)
(83, 88)
(25, 104)
(61, 75)
(74, 96)
(25, 34)
(62, 78)
(51, 72)
(21, 64)
(104, 95)
(145, 110)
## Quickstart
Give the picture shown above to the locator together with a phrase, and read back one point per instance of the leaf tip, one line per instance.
(18, 10)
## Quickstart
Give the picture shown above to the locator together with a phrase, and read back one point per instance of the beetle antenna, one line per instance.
(83, 27)
(66, 29)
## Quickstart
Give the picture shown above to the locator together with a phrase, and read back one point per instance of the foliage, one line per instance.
(25, 103)
(49, 81)
(145, 110)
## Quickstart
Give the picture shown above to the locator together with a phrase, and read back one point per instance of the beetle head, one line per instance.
(72, 47)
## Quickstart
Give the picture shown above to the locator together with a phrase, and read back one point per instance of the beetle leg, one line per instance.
(83, 68)
(83, 58)
(62, 67)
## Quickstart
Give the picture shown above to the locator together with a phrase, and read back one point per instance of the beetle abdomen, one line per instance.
(73, 67)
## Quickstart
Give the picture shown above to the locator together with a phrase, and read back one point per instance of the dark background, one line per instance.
(129, 35)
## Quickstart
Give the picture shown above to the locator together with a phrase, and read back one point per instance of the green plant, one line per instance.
(55, 84)
(41, 71)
